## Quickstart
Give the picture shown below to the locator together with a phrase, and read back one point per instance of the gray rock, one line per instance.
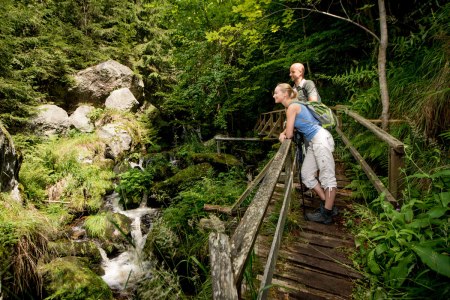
(51, 119)
(116, 138)
(94, 84)
(79, 118)
(121, 99)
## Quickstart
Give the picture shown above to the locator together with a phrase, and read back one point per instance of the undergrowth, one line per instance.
(24, 233)
(74, 166)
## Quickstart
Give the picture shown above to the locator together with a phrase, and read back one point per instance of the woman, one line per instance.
(319, 155)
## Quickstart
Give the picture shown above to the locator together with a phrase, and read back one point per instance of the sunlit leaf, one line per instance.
(436, 261)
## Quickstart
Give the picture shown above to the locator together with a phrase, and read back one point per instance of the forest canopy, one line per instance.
(211, 65)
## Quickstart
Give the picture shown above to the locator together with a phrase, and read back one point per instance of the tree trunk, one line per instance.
(382, 66)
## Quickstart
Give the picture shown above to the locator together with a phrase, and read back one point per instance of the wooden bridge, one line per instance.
(309, 263)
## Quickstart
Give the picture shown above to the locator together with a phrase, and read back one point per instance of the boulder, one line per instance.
(84, 248)
(117, 139)
(95, 84)
(70, 278)
(121, 99)
(50, 120)
(80, 120)
(10, 161)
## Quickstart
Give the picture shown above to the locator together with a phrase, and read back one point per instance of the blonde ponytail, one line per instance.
(287, 88)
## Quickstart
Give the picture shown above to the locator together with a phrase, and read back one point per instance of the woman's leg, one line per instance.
(309, 171)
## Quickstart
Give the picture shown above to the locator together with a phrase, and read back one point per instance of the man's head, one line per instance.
(296, 72)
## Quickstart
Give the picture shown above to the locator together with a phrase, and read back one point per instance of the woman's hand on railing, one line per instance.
(282, 137)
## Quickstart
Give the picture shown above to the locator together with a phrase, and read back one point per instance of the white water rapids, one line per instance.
(127, 268)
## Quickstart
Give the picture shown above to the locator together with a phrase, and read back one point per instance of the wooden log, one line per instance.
(245, 234)
(217, 208)
(223, 284)
(56, 201)
(378, 121)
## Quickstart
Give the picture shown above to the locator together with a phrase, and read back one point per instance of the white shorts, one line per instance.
(319, 157)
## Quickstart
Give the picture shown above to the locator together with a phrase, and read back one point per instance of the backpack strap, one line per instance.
(302, 86)
(308, 108)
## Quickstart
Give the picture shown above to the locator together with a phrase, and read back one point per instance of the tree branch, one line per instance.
(340, 18)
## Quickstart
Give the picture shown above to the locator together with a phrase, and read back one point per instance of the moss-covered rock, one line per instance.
(218, 161)
(87, 249)
(70, 278)
(168, 188)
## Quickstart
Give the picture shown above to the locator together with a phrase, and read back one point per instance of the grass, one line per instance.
(24, 233)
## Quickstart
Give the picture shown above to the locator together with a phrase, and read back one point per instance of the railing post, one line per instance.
(218, 147)
(396, 163)
(287, 168)
(221, 267)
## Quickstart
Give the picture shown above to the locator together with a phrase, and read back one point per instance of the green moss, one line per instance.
(217, 160)
(110, 229)
(183, 179)
(70, 278)
(86, 249)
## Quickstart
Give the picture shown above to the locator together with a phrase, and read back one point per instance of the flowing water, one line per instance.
(128, 267)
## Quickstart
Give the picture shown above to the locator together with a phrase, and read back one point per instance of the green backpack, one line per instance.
(320, 112)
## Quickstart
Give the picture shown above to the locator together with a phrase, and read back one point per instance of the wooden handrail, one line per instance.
(395, 159)
(229, 255)
(380, 133)
(245, 234)
(378, 184)
(278, 235)
(271, 123)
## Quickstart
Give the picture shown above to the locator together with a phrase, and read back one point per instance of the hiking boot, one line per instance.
(334, 209)
(324, 217)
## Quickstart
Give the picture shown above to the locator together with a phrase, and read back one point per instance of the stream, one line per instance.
(124, 270)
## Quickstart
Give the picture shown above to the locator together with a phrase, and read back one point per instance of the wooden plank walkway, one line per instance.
(313, 262)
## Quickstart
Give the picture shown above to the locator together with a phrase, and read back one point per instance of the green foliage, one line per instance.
(421, 73)
(133, 185)
(177, 239)
(163, 285)
(406, 251)
(24, 233)
(45, 42)
(60, 161)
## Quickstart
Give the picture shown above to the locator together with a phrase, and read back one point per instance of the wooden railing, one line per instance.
(395, 158)
(229, 255)
(271, 124)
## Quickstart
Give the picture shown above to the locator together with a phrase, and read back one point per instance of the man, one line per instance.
(306, 89)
